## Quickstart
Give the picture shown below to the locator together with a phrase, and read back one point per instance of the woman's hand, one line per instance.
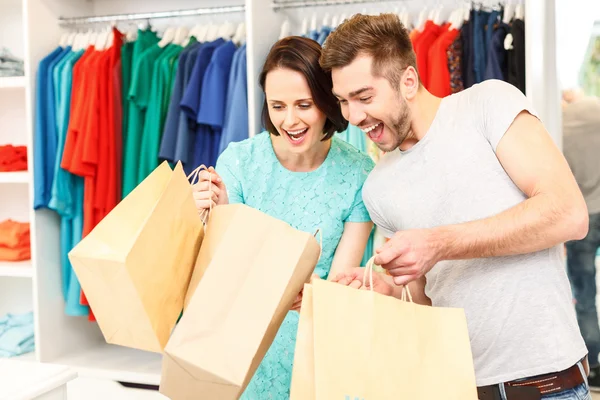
(298, 302)
(354, 278)
(209, 191)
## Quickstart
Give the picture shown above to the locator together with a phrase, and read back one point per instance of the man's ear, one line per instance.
(409, 83)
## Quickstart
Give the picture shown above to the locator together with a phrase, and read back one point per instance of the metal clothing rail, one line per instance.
(317, 3)
(151, 15)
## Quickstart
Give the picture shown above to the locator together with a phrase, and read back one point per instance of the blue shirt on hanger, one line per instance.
(190, 103)
(211, 114)
(236, 119)
(42, 178)
(172, 120)
(325, 32)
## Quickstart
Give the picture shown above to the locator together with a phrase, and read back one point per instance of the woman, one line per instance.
(300, 173)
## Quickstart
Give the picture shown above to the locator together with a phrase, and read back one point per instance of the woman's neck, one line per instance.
(307, 161)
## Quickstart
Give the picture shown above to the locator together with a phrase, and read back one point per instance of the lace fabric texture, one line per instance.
(323, 199)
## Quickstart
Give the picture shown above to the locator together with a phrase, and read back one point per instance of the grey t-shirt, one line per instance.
(519, 308)
(581, 145)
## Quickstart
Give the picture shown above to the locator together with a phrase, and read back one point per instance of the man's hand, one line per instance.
(354, 278)
(408, 255)
(298, 302)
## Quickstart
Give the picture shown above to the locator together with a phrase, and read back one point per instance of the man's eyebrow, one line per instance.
(355, 93)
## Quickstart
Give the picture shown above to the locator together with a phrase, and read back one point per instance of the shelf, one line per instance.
(19, 269)
(116, 363)
(12, 82)
(14, 177)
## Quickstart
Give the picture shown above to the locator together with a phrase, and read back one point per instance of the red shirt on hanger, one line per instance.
(439, 75)
(422, 44)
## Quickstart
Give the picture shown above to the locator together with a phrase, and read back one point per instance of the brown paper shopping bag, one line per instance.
(303, 371)
(373, 347)
(136, 265)
(257, 267)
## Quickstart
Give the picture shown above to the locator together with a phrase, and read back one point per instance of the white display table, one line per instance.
(28, 380)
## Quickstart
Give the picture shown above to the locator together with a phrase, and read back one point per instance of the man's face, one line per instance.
(372, 104)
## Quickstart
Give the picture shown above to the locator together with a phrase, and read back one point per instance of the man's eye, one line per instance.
(365, 99)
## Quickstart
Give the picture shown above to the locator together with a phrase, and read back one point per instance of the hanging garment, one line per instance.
(480, 22)
(136, 112)
(497, 66)
(67, 189)
(466, 34)
(236, 120)
(516, 56)
(126, 67)
(422, 45)
(175, 116)
(211, 115)
(13, 158)
(323, 34)
(439, 74)
(455, 61)
(44, 142)
(157, 107)
(190, 105)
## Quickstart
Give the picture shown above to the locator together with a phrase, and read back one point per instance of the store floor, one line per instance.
(95, 389)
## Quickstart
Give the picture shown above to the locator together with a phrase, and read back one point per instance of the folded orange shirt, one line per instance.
(14, 234)
(15, 254)
(13, 158)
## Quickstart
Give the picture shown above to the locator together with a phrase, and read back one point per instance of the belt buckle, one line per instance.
(522, 393)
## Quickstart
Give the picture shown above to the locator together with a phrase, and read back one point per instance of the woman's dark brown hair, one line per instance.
(302, 55)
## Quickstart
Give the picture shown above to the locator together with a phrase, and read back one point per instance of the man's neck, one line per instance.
(423, 109)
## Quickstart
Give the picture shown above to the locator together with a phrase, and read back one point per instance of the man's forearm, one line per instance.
(530, 226)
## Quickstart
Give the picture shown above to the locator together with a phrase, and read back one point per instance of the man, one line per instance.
(581, 146)
(476, 199)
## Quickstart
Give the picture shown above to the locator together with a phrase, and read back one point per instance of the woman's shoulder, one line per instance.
(245, 148)
(350, 157)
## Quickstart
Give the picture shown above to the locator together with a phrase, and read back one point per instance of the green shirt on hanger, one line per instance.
(158, 104)
(140, 81)
(126, 66)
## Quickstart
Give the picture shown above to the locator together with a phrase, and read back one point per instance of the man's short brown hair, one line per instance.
(383, 37)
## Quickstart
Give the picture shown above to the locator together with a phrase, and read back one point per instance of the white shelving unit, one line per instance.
(75, 341)
(13, 82)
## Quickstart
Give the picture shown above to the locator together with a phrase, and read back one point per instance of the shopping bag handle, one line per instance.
(319, 232)
(194, 179)
(369, 270)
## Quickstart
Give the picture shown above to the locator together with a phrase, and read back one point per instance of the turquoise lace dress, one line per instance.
(325, 198)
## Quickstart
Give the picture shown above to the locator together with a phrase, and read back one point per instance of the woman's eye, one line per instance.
(276, 107)
(304, 106)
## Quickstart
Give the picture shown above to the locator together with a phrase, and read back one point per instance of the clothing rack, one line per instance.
(151, 15)
(279, 5)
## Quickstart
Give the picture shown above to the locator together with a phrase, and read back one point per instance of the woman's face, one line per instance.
(292, 110)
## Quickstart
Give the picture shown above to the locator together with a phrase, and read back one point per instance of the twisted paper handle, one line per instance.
(406, 296)
(194, 179)
(319, 231)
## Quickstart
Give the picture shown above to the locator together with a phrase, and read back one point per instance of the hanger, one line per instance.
(437, 15)
(63, 39)
(467, 9)
(519, 11)
(181, 35)
(213, 32)
(240, 34)
(304, 27)
(326, 20)
(335, 21)
(285, 29)
(421, 20)
(167, 37)
(71, 39)
(509, 12)
(226, 30)
(313, 22)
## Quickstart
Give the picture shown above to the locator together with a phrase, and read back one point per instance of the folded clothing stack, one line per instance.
(13, 158)
(16, 335)
(10, 65)
(15, 241)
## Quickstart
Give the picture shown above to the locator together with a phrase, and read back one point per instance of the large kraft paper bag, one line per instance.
(136, 265)
(258, 265)
(368, 346)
